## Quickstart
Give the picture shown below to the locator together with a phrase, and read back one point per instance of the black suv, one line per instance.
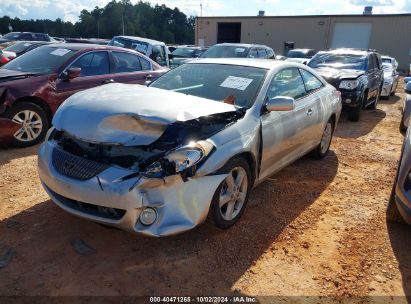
(356, 73)
(26, 36)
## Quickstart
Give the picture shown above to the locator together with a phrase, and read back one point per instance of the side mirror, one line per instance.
(407, 88)
(170, 56)
(147, 83)
(73, 73)
(280, 103)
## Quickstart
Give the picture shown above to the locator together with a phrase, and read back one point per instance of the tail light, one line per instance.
(4, 60)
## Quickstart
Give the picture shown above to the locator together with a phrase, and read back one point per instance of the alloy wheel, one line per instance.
(31, 125)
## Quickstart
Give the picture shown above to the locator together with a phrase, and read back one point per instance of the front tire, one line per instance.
(393, 214)
(373, 106)
(231, 196)
(33, 121)
(324, 147)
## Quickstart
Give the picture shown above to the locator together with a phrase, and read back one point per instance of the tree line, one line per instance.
(157, 22)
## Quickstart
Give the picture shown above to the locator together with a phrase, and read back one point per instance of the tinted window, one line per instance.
(287, 82)
(42, 60)
(94, 63)
(311, 82)
(262, 53)
(26, 37)
(130, 44)
(145, 64)
(371, 62)
(18, 47)
(218, 82)
(253, 53)
(40, 37)
(159, 55)
(126, 63)
(184, 52)
(225, 51)
(11, 36)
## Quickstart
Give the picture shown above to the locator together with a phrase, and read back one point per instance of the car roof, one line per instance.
(85, 46)
(32, 42)
(249, 62)
(387, 57)
(146, 40)
(346, 51)
(248, 45)
(303, 50)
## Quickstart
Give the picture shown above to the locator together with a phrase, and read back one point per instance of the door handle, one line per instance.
(148, 76)
(108, 81)
(310, 112)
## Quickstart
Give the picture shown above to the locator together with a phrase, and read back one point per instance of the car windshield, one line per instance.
(137, 45)
(11, 36)
(18, 47)
(184, 52)
(233, 84)
(387, 67)
(387, 60)
(339, 61)
(297, 54)
(225, 51)
(42, 60)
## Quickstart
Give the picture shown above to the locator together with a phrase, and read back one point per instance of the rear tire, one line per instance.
(34, 124)
(230, 198)
(393, 214)
(373, 106)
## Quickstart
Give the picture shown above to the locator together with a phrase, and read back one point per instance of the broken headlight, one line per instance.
(180, 160)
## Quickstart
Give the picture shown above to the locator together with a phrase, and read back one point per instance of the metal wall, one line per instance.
(390, 34)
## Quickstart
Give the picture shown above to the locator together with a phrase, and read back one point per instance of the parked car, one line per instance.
(19, 48)
(24, 36)
(356, 73)
(182, 54)
(87, 40)
(195, 142)
(6, 56)
(300, 55)
(399, 205)
(391, 78)
(239, 50)
(34, 85)
(391, 60)
(156, 50)
(406, 107)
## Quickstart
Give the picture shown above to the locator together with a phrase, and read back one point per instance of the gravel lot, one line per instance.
(317, 228)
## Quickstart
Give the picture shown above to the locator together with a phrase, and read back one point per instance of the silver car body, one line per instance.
(124, 115)
(402, 188)
(406, 108)
(391, 78)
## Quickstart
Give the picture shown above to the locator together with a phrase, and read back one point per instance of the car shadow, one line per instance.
(369, 119)
(8, 154)
(399, 235)
(390, 101)
(203, 261)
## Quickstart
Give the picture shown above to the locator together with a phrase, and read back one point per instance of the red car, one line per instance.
(34, 85)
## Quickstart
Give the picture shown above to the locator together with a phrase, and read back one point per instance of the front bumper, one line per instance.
(7, 130)
(386, 89)
(109, 199)
(351, 99)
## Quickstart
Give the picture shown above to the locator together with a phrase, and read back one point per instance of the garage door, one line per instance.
(353, 35)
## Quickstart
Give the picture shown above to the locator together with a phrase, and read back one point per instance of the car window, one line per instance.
(371, 62)
(145, 64)
(311, 82)
(287, 82)
(26, 37)
(262, 53)
(159, 55)
(40, 37)
(253, 53)
(126, 62)
(94, 63)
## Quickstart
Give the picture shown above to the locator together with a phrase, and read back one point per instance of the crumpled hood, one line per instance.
(332, 73)
(129, 114)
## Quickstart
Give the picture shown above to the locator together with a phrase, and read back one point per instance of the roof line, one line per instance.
(310, 16)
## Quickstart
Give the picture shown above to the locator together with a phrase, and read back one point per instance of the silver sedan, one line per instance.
(159, 160)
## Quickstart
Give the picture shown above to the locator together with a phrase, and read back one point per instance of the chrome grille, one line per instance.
(74, 166)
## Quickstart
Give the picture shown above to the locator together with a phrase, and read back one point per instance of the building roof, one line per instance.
(308, 16)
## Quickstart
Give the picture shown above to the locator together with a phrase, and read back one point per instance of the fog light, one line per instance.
(148, 216)
(348, 100)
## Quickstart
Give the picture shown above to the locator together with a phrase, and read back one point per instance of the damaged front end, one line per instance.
(151, 189)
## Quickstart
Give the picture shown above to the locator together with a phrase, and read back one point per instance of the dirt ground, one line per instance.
(317, 228)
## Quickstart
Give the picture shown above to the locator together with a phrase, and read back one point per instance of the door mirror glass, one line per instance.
(73, 73)
(407, 88)
(280, 103)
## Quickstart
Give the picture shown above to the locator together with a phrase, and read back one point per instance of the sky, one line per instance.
(69, 10)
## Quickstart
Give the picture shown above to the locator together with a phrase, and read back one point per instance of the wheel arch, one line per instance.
(37, 101)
